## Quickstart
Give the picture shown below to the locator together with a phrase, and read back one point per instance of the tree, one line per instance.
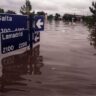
(26, 9)
(41, 13)
(1, 10)
(92, 22)
(50, 17)
(57, 16)
(10, 12)
(67, 17)
(92, 25)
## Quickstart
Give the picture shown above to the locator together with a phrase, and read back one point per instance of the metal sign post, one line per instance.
(31, 30)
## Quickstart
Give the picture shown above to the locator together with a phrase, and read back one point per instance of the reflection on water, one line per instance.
(14, 67)
(69, 67)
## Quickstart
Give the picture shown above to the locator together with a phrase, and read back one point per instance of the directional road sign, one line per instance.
(36, 37)
(14, 40)
(39, 23)
(10, 22)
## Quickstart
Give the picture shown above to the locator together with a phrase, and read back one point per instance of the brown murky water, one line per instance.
(63, 64)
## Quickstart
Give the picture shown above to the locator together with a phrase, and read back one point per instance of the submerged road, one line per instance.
(63, 64)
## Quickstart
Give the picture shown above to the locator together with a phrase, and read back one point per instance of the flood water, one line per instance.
(62, 64)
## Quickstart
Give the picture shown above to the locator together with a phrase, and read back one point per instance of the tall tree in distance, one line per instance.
(50, 17)
(26, 9)
(93, 11)
(57, 16)
(1, 10)
(92, 25)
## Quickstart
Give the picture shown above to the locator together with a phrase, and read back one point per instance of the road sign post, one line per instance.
(14, 34)
(31, 30)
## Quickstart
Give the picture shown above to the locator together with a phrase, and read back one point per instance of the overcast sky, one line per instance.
(51, 6)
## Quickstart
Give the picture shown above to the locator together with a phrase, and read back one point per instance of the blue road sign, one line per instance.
(38, 23)
(36, 37)
(14, 40)
(10, 22)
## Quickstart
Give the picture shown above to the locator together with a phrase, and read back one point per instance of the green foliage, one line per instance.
(26, 9)
(71, 17)
(50, 17)
(41, 13)
(10, 12)
(1, 10)
(92, 24)
(88, 21)
(67, 17)
(93, 8)
(57, 16)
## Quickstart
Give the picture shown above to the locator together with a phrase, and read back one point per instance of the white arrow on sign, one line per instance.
(39, 24)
